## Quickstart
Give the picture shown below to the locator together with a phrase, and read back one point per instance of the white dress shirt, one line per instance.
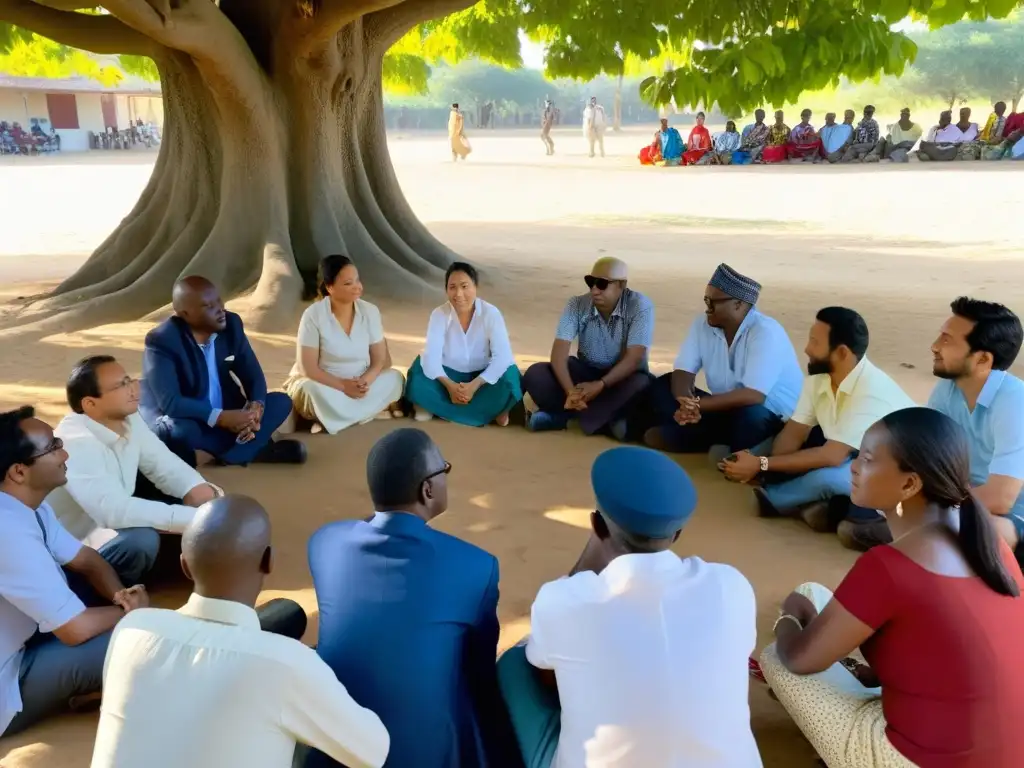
(761, 358)
(205, 687)
(102, 469)
(483, 347)
(651, 657)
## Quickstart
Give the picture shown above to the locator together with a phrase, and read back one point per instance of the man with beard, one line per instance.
(807, 471)
(974, 349)
(752, 373)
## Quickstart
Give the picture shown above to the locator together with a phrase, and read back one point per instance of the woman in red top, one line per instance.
(699, 142)
(937, 615)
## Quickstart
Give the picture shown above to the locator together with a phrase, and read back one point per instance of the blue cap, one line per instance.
(643, 491)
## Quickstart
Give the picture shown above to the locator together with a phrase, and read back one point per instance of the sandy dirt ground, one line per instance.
(895, 242)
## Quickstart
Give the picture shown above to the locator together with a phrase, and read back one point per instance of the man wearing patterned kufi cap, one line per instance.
(751, 369)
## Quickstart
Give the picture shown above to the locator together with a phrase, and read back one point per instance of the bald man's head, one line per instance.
(610, 268)
(197, 301)
(607, 281)
(226, 549)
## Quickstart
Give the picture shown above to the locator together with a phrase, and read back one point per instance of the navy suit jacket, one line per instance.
(175, 381)
(408, 623)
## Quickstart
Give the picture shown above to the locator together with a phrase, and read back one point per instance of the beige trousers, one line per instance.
(841, 718)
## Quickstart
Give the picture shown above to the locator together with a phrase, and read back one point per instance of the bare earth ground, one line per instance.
(896, 243)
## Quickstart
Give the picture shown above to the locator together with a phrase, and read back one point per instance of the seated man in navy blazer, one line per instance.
(203, 391)
(408, 617)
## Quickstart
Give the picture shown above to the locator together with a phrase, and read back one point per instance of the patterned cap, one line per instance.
(732, 283)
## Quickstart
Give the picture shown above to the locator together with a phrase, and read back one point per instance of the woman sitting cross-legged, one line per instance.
(937, 614)
(343, 374)
(467, 373)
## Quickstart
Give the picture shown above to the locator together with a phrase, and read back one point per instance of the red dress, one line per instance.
(697, 145)
(948, 652)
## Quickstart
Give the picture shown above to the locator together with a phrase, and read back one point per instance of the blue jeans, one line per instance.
(787, 492)
(52, 673)
(534, 709)
(186, 436)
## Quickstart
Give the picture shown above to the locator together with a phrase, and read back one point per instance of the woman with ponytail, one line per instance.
(937, 615)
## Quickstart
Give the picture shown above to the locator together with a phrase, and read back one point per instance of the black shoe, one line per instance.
(863, 536)
(283, 451)
(764, 507)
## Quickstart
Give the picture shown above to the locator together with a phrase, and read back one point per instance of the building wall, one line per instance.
(90, 113)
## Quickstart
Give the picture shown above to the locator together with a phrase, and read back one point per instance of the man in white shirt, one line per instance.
(752, 374)
(51, 644)
(594, 124)
(120, 475)
(807, 471)
(205, 687)
(649, 652)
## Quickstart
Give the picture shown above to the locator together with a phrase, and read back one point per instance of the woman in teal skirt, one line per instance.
(467, 373)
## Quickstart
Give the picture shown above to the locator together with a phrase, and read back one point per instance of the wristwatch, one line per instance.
(764, 463)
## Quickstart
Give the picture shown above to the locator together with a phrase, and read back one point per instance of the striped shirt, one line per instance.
(602, 343)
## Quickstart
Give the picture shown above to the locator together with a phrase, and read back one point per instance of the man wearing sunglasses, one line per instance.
(613, 326)
(752, 372)
(59, 600)
(408, 616)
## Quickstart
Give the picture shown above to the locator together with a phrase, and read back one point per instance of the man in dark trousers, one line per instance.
(203, 391)
(408, 616)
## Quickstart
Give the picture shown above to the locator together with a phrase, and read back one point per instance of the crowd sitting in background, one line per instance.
(1002, 137)
(405, 669)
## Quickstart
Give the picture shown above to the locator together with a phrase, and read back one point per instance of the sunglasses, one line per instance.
(601, 283)
(447, 469)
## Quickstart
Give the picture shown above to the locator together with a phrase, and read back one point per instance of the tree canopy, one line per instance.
(740, 54)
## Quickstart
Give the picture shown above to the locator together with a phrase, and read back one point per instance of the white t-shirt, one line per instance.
(650, 656)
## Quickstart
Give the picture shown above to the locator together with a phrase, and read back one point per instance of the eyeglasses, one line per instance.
(447, 468)
(712, 303)
(52, 447)
(124, 383)
(601, 283)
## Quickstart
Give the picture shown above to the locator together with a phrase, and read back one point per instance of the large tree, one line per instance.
(274, 149)
(273, 154)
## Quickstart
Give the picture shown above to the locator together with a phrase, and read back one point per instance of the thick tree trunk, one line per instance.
(261, 172)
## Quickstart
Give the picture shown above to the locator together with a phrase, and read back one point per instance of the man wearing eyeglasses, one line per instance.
(121, 477)
(59, 600)
(613, 326)
(408, 616)
(752, 372)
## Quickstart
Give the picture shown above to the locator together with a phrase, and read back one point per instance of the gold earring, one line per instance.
(899, 509)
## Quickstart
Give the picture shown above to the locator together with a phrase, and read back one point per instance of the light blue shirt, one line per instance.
(215, 395)
(761, 357)
(833, 137)
(602, 343)
(34, 593)
(995, 428)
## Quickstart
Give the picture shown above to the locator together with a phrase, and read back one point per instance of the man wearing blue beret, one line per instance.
(638, 657)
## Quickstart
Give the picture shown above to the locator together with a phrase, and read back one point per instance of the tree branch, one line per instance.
(101, 34)
(318, 21)
(385, 27)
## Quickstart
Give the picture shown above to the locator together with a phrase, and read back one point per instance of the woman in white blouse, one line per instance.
(343, 374)
(467, 373)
